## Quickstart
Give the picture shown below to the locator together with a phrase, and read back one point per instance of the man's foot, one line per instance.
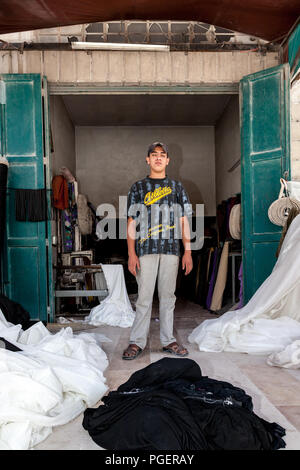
(131, 352)
(177, 349)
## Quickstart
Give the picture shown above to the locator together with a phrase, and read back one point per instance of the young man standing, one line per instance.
(153, 203)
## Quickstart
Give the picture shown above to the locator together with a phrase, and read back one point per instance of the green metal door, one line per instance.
(25, 274)
(265, 158)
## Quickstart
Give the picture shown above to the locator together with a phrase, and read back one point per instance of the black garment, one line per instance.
(14, 312)
(168, 405)
(4, 344)
(31, 205)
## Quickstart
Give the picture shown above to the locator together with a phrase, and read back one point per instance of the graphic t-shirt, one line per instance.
(157, 205)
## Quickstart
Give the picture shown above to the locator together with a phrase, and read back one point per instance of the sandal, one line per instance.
(132, 351)
(174, 348)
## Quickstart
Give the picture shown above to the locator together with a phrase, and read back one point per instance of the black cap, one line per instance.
(151, 147)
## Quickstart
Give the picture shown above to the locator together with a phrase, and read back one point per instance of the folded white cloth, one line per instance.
(270, 320)
(115, 309)
(50, 382)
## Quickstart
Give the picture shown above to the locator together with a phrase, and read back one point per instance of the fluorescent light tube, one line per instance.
(111, 46)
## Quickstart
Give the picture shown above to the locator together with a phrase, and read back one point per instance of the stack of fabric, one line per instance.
(46, 380)
(169, 405)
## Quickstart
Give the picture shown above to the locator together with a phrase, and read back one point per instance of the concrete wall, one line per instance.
(295, 131)
(63, 135)
(228, 151)
(137, 68)
(110, 159)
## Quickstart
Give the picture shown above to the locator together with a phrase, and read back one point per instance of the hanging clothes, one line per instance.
(69, 221)
(169, 405)
(31, 205)
(60, 192)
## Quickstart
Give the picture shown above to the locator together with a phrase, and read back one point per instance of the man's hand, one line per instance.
(133, 263)
(187, 262)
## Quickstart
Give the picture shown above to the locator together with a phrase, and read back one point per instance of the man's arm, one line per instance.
(133, 260)
(187, 261)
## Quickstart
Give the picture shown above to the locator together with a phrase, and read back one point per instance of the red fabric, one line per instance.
(267, 19)
(60, 192)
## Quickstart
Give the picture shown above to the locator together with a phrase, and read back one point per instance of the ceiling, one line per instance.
(266, 19)
(145, 110)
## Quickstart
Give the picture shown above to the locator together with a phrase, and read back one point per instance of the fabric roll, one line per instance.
(208, 274)
(216, 303)
(212, 280)
(202, 280)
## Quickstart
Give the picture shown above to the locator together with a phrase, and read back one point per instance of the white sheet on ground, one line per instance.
(288, 358)
(50, 382)
(115, 309)
(271, 319)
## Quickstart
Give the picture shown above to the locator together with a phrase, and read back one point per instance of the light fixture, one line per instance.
(111, 46)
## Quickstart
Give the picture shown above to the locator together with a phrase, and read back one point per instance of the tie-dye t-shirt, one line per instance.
(156, 205)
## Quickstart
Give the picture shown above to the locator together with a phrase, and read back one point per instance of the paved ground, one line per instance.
(275, 391)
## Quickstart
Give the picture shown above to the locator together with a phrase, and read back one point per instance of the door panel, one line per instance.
(265, 159)
(25, 263)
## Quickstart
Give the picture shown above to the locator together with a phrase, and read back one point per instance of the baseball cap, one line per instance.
(157, 144)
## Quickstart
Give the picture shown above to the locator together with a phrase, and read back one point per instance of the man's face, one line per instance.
(158, 159)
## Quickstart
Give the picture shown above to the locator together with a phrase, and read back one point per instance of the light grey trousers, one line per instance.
(165, 269)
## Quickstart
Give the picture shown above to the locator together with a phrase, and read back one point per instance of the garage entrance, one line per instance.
(103, 140)
(96, 136)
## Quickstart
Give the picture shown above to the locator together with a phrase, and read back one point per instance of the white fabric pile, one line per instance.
(270, 321)
(50, 382)
(115, 309)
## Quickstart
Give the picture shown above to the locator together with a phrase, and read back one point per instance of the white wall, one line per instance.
(63, 135)
(110, 159)
(228, 151)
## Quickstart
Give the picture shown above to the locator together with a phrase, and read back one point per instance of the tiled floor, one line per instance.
(275, 391)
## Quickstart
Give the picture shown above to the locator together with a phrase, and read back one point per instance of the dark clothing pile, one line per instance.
(169, 405)
(14, 312)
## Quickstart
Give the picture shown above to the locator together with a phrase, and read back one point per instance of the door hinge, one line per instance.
(47, 242)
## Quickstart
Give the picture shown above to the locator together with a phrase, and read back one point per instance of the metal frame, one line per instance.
(91, 89)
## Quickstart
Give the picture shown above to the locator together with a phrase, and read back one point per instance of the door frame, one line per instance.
(221, 88)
